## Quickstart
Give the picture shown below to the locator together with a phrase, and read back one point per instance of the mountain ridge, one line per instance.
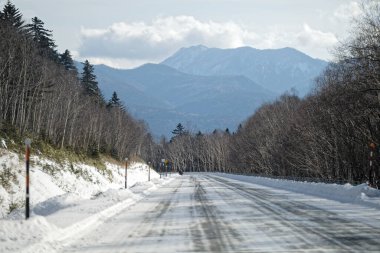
(215, 92)
(163, 97)
(278, 70)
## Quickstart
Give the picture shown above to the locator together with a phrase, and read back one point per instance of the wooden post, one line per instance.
(126, 173)
(149, 171)
(27, 181)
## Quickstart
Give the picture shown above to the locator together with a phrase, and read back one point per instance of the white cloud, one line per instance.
(348, 11)
(118, 63)
(153, 41)
(315, 42)
(129, 44)
(314, 38)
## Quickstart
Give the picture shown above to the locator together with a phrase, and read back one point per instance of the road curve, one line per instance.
(208, 213)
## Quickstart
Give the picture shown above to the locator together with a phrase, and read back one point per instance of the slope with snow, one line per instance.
(66, 199)
(278, 70)
(61, 184)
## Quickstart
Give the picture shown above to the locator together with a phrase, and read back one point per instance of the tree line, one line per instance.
(42, 93)
(327, 134)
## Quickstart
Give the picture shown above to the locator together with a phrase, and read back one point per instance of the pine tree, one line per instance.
(89, 80)
(12, 16)
(179, 130)
(67, 61)
(114, 101)
(43, 38)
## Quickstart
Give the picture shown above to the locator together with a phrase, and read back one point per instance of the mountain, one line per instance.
(278, 70)
(164, 96)
(208, 88)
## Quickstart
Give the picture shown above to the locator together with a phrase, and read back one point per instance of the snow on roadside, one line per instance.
(65, 199)
(360, 194)
(49, 179)
(52, 232)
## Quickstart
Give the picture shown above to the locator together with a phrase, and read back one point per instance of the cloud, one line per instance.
(314, 38)
(315, 42)
(118, 63)
(139, 40)
(129, 44)
(348, 11)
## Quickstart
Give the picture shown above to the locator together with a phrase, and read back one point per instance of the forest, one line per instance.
(332, 134)
(43, 96)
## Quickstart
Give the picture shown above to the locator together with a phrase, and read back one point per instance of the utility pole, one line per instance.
(126, 172)
(27, 157)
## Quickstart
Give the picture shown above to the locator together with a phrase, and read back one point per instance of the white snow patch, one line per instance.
(66, 199)
(360, 194)
(3, 144)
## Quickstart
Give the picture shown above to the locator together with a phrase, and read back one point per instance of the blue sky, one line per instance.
(125, 34)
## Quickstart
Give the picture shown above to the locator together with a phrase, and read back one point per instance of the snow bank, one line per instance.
(66, 200)
(65, 218)
(49, 179)
(360, 194)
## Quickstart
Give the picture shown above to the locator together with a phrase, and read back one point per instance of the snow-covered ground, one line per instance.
(70, 201)
(359, 194)
(65, 198)
(200, 212)
(49, 179)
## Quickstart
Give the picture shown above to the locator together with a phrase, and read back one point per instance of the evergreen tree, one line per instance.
(89, 80)
(43, 38)
(114, 101)
(179, 130)
(12, 16)
(67, 61)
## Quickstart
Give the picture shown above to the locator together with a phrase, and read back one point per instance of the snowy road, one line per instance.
(206, 213)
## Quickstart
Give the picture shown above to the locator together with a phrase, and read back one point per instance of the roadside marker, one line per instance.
(27, 157)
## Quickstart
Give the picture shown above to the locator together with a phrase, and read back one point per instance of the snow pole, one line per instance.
(162, 167)
(27, 157)
(148, 171)
(371, 177)
(126, 173)
(166, 167)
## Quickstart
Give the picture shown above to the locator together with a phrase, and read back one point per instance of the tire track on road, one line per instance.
(218, 232)
(310, 221)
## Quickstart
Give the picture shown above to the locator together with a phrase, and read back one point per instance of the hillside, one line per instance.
(278, 70)
(163, 96)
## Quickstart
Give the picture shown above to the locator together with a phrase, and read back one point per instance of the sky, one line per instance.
(126, 33)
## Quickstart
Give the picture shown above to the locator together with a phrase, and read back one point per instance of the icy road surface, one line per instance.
(207, 213)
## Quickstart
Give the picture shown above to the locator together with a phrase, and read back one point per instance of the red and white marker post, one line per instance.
(27, 158)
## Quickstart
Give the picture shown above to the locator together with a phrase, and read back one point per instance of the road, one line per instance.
(207, 213)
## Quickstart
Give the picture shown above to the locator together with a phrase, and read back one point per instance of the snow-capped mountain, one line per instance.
(278, 70)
